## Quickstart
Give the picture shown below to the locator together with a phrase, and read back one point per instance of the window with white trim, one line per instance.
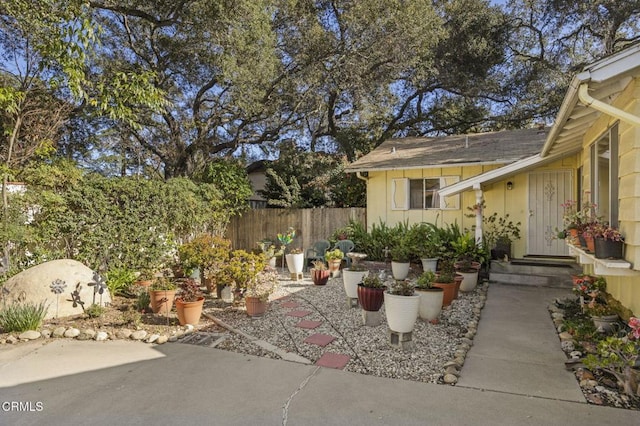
(421, 194)
(604, 175)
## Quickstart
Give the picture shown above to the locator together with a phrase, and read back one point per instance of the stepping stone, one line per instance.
(310, 325)
(319, 339)
(331, 360)
(298, 314)
(290, 304)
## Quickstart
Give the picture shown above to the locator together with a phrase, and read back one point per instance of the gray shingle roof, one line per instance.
(492, 147)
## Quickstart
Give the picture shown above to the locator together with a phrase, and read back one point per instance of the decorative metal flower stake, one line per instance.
(57, 287)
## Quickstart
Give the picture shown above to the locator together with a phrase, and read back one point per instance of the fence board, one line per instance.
(310, 225)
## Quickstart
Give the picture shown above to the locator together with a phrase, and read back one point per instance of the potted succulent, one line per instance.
(319, 272)
(401, 253)
(603, 315)
(431, 297)
(189, 302)
(258, 290)
(401, 306)
(162, 293)
(334, 258)
(370, 292)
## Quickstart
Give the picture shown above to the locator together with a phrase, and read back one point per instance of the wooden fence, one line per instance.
(310, 225)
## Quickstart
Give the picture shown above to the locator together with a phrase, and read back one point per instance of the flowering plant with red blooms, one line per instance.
(589, 286)
(634, 323)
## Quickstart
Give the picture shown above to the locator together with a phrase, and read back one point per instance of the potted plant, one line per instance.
(401, 306)
(401, 253)
(189, 302)
(162, 293)
(498, 233)
(208, 253)
(603, 315)
(270, 251)
(295, 262)
(370, 292)
(445, 279)
(258, 290)
(431, 297)
(609, 242)
(351, 277)
(242, 269)
(319, 272)
(334, 258)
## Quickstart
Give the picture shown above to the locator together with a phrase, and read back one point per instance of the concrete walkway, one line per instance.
(511, 378)
(516, 349)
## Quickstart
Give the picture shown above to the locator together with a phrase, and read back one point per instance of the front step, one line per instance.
(535, 272)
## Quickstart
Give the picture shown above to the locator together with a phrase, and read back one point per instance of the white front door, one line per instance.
(547, 191)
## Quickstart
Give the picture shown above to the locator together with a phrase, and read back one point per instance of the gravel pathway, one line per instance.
(438, 353)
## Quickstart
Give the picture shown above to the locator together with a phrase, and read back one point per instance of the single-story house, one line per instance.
(257, 174)
(592, 152)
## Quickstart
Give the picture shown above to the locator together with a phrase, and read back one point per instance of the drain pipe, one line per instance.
(589, 101)
(359, 176)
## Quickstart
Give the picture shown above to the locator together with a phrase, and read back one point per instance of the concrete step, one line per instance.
(534, 272)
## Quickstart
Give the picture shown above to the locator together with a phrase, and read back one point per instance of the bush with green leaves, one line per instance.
(19, 317)
(120, 280)
(113, 222)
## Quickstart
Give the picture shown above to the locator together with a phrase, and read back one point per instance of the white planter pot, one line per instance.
(400, 270)
(430, 303)
(272, 262)
(401, 311)
(469, 280)
(429, 264)
(295, 263)
(351, 279)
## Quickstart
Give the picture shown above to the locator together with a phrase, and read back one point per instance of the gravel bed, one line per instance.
(435, 345)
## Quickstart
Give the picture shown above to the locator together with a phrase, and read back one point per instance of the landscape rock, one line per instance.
(30, 335)
(152, 338)
(125, 333)
(162, 339)
(46, 333)
(12, 339)
(72, 332)
(138, 335)
(450, 379)
(33, 286)
(101, 336)
(59, 332)
(87, 334)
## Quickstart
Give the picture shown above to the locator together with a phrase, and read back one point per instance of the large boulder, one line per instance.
(34, 285)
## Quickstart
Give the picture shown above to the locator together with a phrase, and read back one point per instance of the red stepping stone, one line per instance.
(331, 360)
(298, 314)
(290, 304)
(310, 325)
(320, 339)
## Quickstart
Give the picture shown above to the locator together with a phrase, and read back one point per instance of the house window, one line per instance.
(423, 193)
(604, 175)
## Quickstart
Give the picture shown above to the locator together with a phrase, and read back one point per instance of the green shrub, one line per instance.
(21, 317)
(120, 280)
(94, 311)
(143, 301)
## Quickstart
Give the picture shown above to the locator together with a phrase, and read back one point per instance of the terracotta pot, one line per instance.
(320, 276)
(161, 301)
(144, 284)
(255, 306)
(458, 280)
(370, 299)
(334, 267)
(189, 312)
(590, 243)
(449, 292)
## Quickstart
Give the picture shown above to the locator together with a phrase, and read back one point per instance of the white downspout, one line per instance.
(478, 190)
(588, 101)
(359, 176)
